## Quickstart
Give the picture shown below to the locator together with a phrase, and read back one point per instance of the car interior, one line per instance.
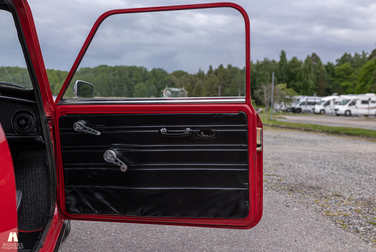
(25, 125)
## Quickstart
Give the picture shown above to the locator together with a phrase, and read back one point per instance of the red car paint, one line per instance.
(54, 110)
(8, 209)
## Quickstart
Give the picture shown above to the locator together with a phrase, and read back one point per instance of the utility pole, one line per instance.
(272, 105)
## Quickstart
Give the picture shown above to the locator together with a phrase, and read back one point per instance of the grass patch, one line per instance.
(337, 194)
(344, 226)
(344, 214)
(322, 128)
(372, 223)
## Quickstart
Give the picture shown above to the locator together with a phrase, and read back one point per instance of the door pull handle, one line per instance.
(110, 157)
(176, 133)
(81, 127)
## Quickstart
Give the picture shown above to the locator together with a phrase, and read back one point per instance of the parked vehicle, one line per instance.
(327, 104)
(364, 104)
(187, 161)
(294, 101)
(345, 100)
(306, 104)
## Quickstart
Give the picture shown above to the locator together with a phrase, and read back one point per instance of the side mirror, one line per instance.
(83, 89)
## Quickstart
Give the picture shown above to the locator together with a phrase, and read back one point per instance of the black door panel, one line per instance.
(200, 174)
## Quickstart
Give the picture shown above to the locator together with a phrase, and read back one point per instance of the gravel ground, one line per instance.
(332, 175)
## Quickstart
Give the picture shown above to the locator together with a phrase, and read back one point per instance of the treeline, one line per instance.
(16, 75)
(350, 74)
(135, 81)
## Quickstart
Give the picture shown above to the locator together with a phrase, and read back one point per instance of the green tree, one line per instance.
(283, 67)
(333, 85)
(344, 74)
(295, 67)
(372, 55)
(307, 77)
(367, 78)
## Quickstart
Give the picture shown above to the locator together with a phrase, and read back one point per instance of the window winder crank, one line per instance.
(110, 157)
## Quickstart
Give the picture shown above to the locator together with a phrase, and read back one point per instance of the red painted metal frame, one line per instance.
(8, 209)
(38, 69)
(54, 231)
(255, 162)
(255, 158)
(33, 48)
(166, 8)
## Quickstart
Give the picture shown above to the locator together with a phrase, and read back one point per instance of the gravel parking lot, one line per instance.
(319, 195)
(332, 175)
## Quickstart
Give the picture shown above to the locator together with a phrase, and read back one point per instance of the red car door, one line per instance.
(8, 211)
(154, 123)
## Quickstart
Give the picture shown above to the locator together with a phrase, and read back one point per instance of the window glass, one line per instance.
(364, 102)
(166, 55)
(353, 103)
(13, 69)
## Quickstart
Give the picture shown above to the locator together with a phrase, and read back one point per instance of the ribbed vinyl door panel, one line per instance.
(203, 174)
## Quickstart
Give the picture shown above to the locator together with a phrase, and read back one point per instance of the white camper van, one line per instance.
(358, 105)
(306, 104)
(327, 104)
(294, 102)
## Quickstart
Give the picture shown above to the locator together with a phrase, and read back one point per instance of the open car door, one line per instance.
(154, 123)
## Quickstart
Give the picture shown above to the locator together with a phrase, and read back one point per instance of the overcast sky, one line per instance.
(327, 27)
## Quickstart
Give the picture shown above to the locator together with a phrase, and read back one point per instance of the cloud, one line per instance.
(328, 27)
(186, 40)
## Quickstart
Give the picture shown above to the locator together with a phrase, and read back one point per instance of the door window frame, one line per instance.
(247, 100)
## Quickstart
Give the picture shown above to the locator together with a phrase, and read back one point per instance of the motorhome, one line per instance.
(294, 101)
(327, 104)
(364, 104)
(306, 104)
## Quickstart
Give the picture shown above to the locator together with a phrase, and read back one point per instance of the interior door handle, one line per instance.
(176, 133)
(81, 127)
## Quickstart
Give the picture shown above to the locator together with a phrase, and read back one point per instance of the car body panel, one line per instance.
(34, 54)
(8, 209)
(255, 165)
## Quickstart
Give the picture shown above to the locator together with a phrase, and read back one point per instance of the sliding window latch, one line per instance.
(81, 127)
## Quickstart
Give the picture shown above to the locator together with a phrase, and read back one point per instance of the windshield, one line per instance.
(13, 69)
(344, 102)
(320, 102)
(295, 103)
